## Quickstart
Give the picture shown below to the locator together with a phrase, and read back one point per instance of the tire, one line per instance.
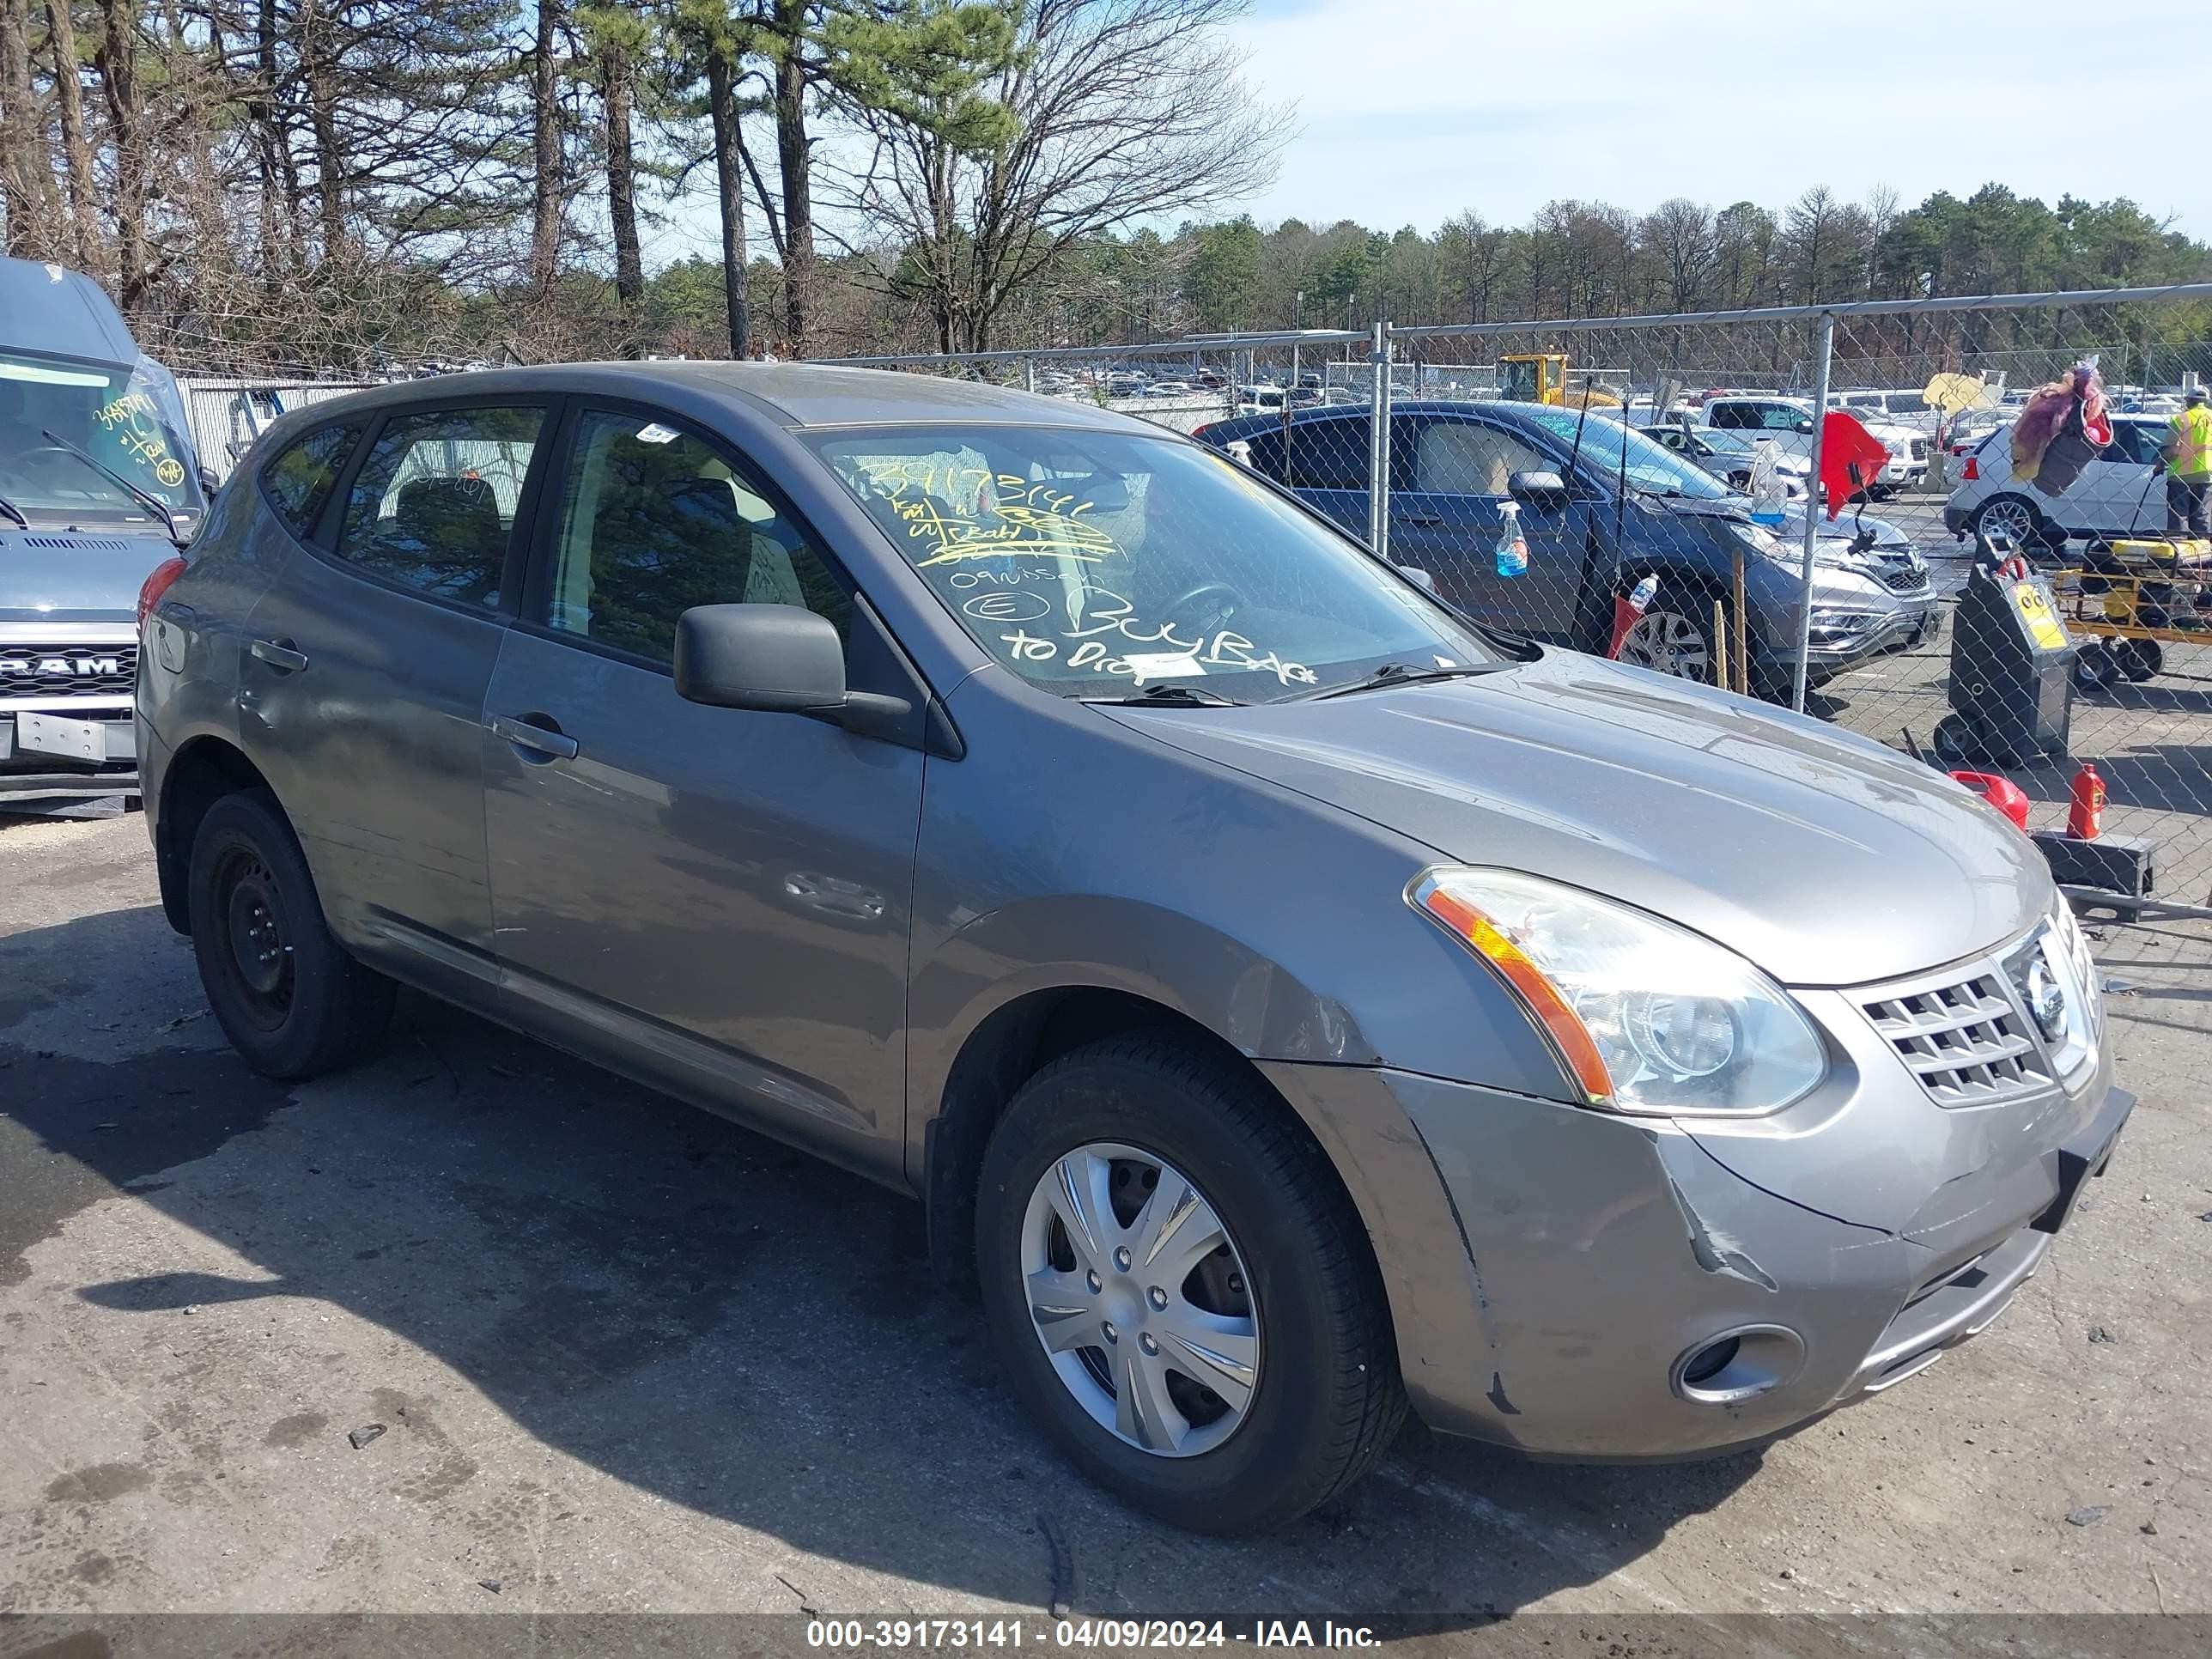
(1674, 637)
(1954, 746)
(2095, 666)
(1293, 1284)
(2139, 660)
(2033, 534)
(288, 995)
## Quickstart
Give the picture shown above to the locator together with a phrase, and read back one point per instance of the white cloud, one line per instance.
(1514, 104)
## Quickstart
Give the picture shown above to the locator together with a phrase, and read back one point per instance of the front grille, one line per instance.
(68, 670)
(1967, 1042)
(1904, 578)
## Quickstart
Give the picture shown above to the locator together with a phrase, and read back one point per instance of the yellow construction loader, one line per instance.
(1540, 377)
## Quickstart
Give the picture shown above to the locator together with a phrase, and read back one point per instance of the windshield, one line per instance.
(109, 412)
(1098, 564)
(1611, 450)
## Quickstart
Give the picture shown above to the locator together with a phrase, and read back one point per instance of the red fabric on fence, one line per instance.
(1852, 459)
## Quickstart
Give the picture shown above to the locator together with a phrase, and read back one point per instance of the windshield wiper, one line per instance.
(1400, 673)
(145, 498)
(1175, 697)
(14, 512)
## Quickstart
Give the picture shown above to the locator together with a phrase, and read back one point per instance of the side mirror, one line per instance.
(208, 482)
(1543, 487)
(1419, 578)
(1804, 429)
(779, 658)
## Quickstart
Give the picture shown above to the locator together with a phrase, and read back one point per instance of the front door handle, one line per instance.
(281, 655)
(1423, 521)
(549, 741)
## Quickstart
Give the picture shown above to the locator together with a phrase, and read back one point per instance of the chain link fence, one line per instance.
(1651, 488)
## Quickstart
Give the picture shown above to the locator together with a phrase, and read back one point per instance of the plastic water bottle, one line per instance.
(1512, 548)
(1645, 591)
(1769, 495)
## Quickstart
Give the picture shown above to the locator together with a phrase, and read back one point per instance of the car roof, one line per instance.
(1499, 408)
(62, 314)
(794, 395)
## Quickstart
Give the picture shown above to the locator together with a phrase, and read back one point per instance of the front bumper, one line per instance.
(1551, 1268)
(31, 776)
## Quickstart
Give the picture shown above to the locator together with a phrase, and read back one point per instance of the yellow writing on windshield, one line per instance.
(135, 424)
(959, 512)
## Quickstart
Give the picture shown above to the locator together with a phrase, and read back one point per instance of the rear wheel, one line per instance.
(288, 995)
(1180, 1291)
(2016, 517)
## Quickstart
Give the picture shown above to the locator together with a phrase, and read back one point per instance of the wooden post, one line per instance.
(1720, 648)
(1741, 655)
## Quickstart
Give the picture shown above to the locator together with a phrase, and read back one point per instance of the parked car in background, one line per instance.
(1728, 455)
(1789, 420)
(99, 482)
(1169, 389)
(1592, 534)
(1260, 399)
(2117, 493)
(1291, 1000)
(1908, 409)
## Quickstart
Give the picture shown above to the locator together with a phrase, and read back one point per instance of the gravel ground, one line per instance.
(604, 1354)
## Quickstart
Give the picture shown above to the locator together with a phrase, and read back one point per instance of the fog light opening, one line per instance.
(1736, 1365)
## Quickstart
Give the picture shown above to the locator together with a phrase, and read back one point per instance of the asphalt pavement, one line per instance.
(477, 1328)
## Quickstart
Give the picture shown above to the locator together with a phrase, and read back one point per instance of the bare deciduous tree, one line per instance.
(1119, 111)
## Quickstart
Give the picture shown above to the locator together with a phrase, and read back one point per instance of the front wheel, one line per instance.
(288, 995)
(1674, 636)
(1180, 1291)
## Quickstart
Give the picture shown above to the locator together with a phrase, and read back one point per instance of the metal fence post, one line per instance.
(1028, 374)
(1823, 354)
(1378, 443)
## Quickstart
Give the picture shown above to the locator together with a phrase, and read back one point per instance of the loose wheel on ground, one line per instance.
(1180, 1291)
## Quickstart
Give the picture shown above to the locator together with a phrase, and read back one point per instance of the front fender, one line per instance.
(1069, 851)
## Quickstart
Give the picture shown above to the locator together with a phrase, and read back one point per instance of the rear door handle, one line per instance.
(1422, 519)
(278, 655)
(522, 734)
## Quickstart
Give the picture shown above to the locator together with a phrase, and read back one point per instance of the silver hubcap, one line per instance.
(1140, 1299)
(2011, 518)
(1669, 641)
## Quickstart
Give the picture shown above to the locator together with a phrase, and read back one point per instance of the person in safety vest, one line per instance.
(2188, 457)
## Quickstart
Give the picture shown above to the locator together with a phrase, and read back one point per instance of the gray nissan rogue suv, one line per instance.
(1288, 1000)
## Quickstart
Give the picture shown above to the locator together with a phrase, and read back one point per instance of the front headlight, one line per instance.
(1646, 1016)
(1759, 539)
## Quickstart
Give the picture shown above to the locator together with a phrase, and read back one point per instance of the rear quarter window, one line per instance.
(298, 480)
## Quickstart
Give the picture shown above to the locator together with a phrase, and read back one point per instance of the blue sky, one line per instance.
(1514, 103)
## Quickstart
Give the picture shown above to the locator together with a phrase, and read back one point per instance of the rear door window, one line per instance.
(434, 503)
(1326, 454)
(299, 481)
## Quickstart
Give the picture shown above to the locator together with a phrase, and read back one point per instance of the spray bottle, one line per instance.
(1512, 548)
(1768, 493)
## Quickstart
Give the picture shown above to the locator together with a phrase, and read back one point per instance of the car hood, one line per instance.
(1823, 857)
(86, 574)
